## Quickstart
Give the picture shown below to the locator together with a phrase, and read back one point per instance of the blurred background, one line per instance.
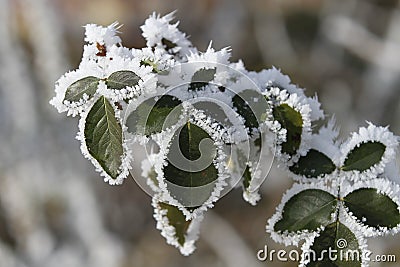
(55, 210)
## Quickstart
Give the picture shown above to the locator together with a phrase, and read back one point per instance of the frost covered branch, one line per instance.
(210, 125)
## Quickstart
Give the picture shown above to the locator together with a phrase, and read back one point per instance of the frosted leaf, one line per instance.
(147, 79)
(89, 69)
(126, 157)
(384, 187)
(83, 88)
(108, 66)
(219, 137)
(314, 165)
(174, 227)
(348, 238)
(293, 238)
(281, 99)
(371, 134)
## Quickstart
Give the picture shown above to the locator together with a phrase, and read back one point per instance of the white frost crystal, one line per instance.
(157, 29)
(102, 35)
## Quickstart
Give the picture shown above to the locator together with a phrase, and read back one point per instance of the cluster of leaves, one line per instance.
(211, 125)
(344, 196)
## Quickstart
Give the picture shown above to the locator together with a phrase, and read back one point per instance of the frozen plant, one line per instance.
(342, 196)
(209, 125)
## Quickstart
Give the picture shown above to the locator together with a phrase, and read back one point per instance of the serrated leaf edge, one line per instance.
(294, 238)
(169, 233)
(146, 85)
(219, 135)
(62, 84)
(126, 157)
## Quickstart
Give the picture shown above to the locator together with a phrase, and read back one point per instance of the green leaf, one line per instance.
(308, 210)
(338, 237)
(291, 120)
(365, 156)
(373, 208)
(177, 219)
(313, 164)
(189, 138)
(190, 172)
(201, 78)
(103, 135)
(87, 85)
(246, 177)
(122, 79)
(251, 106)
(154, 115)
